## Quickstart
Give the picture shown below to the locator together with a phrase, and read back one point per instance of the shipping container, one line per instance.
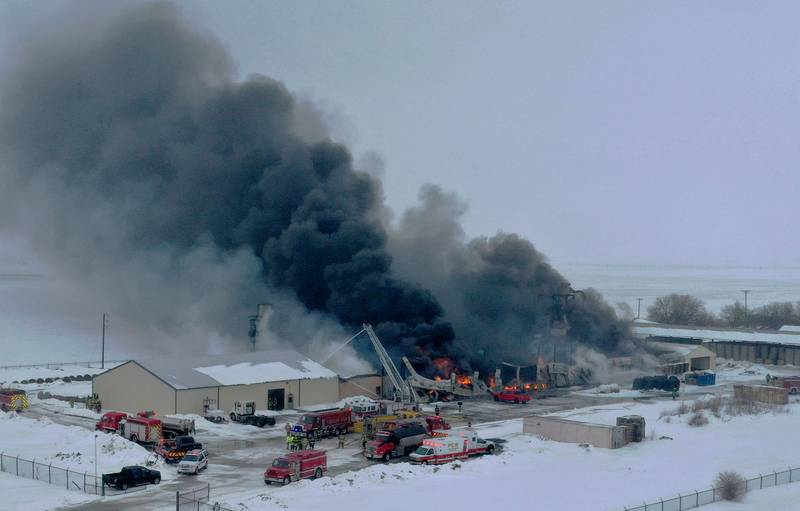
(762, 394)
(563, 430)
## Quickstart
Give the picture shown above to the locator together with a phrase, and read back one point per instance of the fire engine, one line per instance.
(454, 446)
(308, 464)
(324, 424)
(140, 429)
(402, 441)
(109, 422)
(13, 399)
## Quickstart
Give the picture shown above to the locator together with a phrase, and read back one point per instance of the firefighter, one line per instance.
(341, 441)
(436, 410)
(311, 442)
(674, 394)
(289, 442)
(288, 428)
(460, 404)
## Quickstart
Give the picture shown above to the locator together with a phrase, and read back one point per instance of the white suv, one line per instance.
(193, 462)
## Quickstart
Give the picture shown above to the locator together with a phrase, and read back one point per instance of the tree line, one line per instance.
(680, 309)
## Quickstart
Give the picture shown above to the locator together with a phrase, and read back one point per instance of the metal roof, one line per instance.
(644, 330)
(234, 369)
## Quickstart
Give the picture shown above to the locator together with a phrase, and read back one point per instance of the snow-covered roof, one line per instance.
(234, 369)
(715, 334)
(789, 328)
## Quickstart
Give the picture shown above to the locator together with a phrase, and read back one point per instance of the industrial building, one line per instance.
(776, 347)
(274, 380)
(681, 358)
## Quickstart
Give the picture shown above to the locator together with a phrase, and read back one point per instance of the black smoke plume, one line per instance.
(497, 290)
(134, 160)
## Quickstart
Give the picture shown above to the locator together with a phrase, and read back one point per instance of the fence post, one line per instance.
(177, 500)
(696, 499)
(84, 482)
(660, 499)
(49, 474)
(68, 479)
(17, 464)
(776, 477)
(760, 482)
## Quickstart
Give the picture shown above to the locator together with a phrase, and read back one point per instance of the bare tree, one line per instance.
(774, 315)
(680, 309)
(733, 315)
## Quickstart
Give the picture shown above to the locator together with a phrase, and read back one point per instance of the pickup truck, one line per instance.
(512, 396)
(132, 476)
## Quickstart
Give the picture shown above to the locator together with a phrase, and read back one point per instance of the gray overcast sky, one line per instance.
(644, 132)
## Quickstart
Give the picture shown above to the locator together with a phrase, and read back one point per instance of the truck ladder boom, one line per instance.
(407, 393)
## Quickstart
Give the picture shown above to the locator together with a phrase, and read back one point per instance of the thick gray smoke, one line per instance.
(497, 290)
(135, 161)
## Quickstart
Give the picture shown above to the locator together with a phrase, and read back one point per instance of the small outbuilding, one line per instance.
(681, 358)
(274, 380)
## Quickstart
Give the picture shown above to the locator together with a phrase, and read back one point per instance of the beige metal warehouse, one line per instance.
(274, 380)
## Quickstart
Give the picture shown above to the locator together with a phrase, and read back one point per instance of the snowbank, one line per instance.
(69, 447)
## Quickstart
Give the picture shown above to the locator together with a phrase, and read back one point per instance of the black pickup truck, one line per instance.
(187, 443)
(132, 476)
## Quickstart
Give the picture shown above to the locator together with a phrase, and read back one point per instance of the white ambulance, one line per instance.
(456, 445)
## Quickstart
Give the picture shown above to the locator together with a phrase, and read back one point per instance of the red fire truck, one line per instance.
(454, 446)
(324, 424)
(109, 422)
(401, 441)
(140, 429)
(13, 399)
(297, 465)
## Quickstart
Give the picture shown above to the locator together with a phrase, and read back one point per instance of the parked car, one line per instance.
(132, 476)
(512, 396)
(193, 462)
(308, 464)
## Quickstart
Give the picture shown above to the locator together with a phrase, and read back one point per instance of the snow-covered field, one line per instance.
(675, 458)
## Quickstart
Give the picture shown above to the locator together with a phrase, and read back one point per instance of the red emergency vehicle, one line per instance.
(13, 399)
(792, 384)
(324, 424)
(512, 396)
(109, 422)
(308, 464)
(140, 429)
(455, 446)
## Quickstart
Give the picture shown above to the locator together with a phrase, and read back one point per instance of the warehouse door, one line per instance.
(275, 399)
(701, 363)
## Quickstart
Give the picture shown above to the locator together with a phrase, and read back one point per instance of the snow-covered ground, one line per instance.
(780, 498)
(675, 458)
(18, 494)
(71, 447)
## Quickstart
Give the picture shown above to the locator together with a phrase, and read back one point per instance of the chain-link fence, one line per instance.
(57, 476)
(693, 499)
(197, 499)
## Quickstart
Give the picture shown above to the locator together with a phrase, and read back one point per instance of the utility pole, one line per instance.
(103, 348)
(745, 291)
(639, 308)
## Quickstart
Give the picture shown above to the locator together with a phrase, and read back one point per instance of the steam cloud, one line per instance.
(136, 162)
